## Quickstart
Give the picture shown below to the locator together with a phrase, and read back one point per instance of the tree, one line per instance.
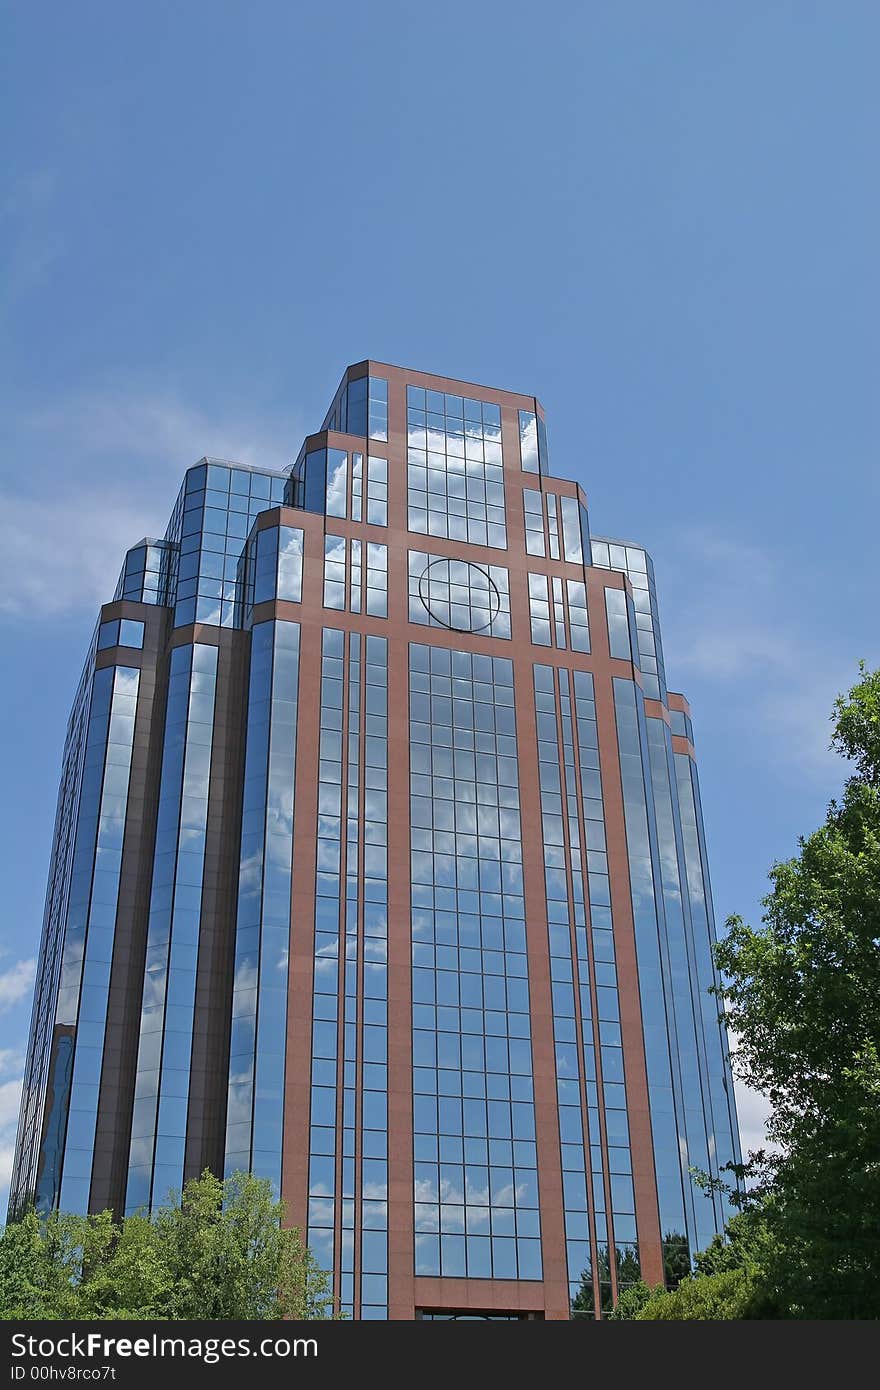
(803, 994)
(676, 1258)
(220, 1252)
(728, 1294)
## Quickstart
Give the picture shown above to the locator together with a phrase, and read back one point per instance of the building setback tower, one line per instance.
(379, 870)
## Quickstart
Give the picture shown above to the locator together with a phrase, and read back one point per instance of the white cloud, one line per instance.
(63, 537)
(11, 1061)
(7, 1156)
(133, 422)
(57, 556)
(733, 628)
(16, 982)
(753, 1111)
(10, 1099)
(720, 608)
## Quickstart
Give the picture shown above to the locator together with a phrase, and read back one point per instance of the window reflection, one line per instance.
(121, 632)
(165, 1042)
(636, 565)
(259, 999)
(533, 443)
(356, 576)
(455, 476)
(91, 924)
(558, 613)
(351, 908)
(212, 520)
(575, 852)
(476, 1194)
(458, 595)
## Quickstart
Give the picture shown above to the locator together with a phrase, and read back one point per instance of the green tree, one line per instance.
(583, 1302)
(728, 1294)
(219, 1252)
(803, 994)
(632, 1300)
(676, 1258)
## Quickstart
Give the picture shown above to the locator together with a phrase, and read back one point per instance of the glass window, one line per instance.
(337, 483)
(579, 628)
(352, 870)
(475, 1167)
(539, 607)
(377, 491)
(377, 580)
(108, 635)
(571, 530)
(335, 549)
(533, 507)
(314, 485)
(618, 624)
(455, 480)
(378, 408)
(528, 441)
(458, 595)
(131, 633)
(162, 1077)
(553, 525)
(290, 563)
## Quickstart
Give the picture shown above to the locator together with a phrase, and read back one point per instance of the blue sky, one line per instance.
(662, 219)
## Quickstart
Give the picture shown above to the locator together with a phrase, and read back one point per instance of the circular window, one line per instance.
(459, 595)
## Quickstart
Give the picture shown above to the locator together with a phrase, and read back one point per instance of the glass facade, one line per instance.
(590, 1077)
(259, 997)
(271, 568)
(89, 936)
(50, 1051)
(336, 483)
(636, 564)
(457, 595)
(360, 407)
(323, 775)
(455, 480)
(533, 443)
(219, 505)
(161, 1093)
(149, 574)
(476, 1180)
(356, 576)
(650, 930)
(348, 1129)
(558, 612)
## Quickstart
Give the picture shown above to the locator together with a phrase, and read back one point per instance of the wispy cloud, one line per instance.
(16, 982)
(11, 1065)
(131, 421)
(721, 605)
(125, 449)
(733, 627)
(10, 1098)
(56, 556)
(753, 1112)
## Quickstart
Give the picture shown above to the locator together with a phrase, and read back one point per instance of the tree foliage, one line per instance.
(728, 1294)
(220, 1252)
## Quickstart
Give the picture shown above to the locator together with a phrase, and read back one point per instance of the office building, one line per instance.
(379, 870)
